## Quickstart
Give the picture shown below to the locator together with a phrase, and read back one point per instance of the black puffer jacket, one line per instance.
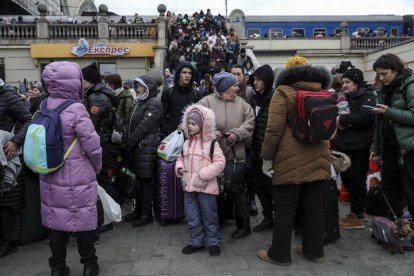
(143, 131)
(14, 112)
(359, 124)
(260, 105)
(175, 99)
(100, 102)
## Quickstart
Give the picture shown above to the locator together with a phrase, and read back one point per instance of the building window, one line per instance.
(319, 32)
(363, 32)
(2, 70)
(253, 33)
(106, 69)
(394, 32)
(298, 32)
(275, 33)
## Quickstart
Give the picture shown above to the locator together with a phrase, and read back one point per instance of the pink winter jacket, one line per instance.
(200, 171)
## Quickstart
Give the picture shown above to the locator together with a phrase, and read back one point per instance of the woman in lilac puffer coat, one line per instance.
(69, 195)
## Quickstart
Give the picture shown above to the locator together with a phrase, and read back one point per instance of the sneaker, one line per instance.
(299, 251)
(262, 254)
(190, 249)
(214, 250)
(352, 222)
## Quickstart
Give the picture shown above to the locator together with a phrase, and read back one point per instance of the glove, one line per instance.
(267, 168)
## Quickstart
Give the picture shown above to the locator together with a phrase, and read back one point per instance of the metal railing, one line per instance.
(61, 31)
(138, 31)
(18, 31)
(375, 42)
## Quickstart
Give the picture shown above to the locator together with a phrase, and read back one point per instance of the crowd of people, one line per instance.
(227, 119)
(204, 40)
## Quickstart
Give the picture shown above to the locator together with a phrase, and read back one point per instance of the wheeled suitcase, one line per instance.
(169, 194)
(331, 211)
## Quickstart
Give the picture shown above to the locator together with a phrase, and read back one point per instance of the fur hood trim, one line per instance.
(306, 73)
(208, 132)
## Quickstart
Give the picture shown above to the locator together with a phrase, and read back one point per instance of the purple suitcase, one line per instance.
(169, 194)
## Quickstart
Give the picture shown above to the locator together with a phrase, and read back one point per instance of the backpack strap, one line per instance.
(212, 149)
(64, 105)
(69, 150)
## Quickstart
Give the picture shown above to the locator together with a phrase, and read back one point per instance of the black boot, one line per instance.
(7, 248)
(266, 223)
(144, 220)
(60, 271)
(91, 270)
(243, 229)
(253, 208)
(132, 215)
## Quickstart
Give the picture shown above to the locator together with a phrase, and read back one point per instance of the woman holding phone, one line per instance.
(394, 139)
(354, 137)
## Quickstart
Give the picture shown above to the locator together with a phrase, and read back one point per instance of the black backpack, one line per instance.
(316, 117)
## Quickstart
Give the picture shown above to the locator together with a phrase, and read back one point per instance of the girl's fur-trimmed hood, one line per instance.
(307, 73)
(208, 132)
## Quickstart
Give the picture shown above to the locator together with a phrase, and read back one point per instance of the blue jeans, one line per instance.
(201, 215)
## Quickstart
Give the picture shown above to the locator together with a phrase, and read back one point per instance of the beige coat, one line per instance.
(232, 116)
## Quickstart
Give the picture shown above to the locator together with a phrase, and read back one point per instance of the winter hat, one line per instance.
(296, 60)
(197, 117)
(223, 81)
(38, 85)
(354, 75)
(91, 73)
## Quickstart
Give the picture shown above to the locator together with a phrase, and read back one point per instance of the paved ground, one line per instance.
(156, 250)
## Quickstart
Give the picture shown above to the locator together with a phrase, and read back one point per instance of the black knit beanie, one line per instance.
(354, 75)
(91, 73)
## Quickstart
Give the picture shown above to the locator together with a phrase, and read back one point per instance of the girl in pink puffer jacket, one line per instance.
(198, 173)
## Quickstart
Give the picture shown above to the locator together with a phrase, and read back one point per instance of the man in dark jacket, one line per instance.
(175, 98)
(261, 80)
(14, 115)
(100, 101)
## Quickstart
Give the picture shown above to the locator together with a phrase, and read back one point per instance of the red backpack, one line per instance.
(316, 118)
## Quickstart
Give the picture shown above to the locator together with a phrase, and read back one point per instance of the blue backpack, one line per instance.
(43, 152)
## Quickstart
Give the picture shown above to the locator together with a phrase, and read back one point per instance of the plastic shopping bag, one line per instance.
(170, 148)
(112, 210)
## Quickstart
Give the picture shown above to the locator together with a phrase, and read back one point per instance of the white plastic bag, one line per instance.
(172, 145)
(112, 210)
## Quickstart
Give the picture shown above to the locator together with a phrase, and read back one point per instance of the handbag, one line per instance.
(172, 145)
(127, 182)
(340, 161)
(232, 180)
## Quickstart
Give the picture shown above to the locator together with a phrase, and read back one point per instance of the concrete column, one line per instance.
(103, 30)
(160, 54)
(160, 50)
(345, 43)
(42, 29)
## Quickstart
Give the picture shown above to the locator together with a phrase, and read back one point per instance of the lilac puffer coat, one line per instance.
(69, 195)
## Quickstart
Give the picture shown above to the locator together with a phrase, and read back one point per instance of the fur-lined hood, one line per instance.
(305, 73)
(209, 122)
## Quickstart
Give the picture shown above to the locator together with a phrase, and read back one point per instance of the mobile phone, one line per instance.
(368, 106)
